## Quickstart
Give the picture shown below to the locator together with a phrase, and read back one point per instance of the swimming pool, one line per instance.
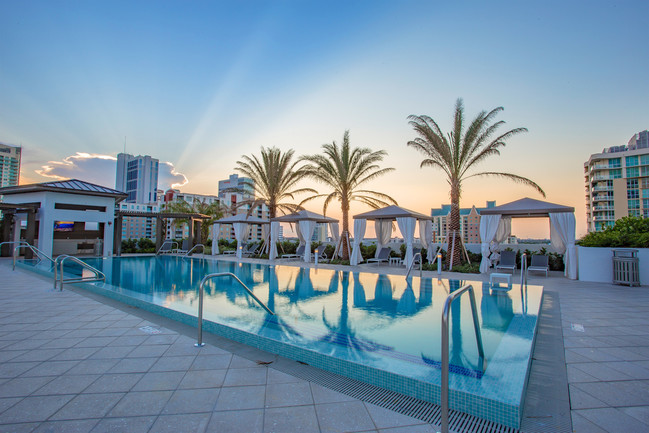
(376, 328)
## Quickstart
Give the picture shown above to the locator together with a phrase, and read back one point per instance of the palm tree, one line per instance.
(214, 210)
(461, 150)
(273, 178)
(345, 170)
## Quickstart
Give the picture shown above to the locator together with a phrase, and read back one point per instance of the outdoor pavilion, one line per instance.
(406, 220)
(306, 222)
(241, 223)
(496, 226)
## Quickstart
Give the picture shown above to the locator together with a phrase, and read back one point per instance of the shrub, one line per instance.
(627, 232)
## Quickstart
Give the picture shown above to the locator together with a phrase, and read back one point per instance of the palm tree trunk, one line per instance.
(454, 227)
(344, 242)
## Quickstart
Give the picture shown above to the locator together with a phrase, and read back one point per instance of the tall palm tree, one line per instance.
(459, 151)
(346, 169)
(273, 178)
(214, 210)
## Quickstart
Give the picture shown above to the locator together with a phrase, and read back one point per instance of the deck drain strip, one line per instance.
(403, 404)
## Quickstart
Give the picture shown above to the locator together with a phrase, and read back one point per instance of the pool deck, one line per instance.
(75, 362)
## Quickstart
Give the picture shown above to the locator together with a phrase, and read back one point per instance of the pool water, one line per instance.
(378, 328)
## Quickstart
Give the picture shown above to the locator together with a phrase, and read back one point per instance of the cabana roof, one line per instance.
(527, 208)
(304, 215)
(390, 213)
(242, 218)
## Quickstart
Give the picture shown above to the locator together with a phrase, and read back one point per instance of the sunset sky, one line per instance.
(198, 84)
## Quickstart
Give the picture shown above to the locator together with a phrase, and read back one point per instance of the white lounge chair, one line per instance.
(384, 256)
(299, 252)
(539, 264)
(507, 261)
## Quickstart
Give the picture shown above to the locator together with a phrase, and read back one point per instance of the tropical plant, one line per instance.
(214, 210)
(274, 178)
(628, 232)
(346, 170)
(461, 150)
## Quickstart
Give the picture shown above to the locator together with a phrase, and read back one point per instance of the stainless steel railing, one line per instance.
(35, 250)
(165, 243)
(99, 276)
(188, 253)
(14, 251)
(201, 290)
(445, 346)
(523, 269)
(412, 265)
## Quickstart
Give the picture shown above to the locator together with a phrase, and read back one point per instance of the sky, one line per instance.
(199, 84)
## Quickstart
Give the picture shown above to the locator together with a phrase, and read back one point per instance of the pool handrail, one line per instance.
(201, 290)
(35, 250)
(99, 276)
(445, 346)
(14, 251)
(188, 253)
(166, 242)
(412, 264)
(523, 269)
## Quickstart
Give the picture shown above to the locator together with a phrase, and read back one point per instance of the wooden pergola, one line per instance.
(8, 212)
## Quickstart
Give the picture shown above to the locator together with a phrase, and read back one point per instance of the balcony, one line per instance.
(603, 218)
(601, 177)
(601, 208)
(603, 188)
(603, 198)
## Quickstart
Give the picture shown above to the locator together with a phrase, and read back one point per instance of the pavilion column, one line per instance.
(159, 230)
(30, 233)
(190, 241)
(117, 236)
(199, 236)
(7, 220)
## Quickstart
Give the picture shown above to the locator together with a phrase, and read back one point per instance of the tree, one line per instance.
(273, 178)
(214, 210)
(460, 151)
(346, 170)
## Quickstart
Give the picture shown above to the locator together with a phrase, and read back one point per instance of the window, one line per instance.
(634, 204)
(644, 159)
(632, 183)
(631, 161)
(645, 193)
(634, 212)
(615, 174)
(633, 193)
(633, 172)
(614, 162)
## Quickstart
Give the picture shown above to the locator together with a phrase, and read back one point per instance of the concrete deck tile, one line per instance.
(50, 368)
(19, 428)
(203, 379)
(616, 394)
(75, 353)
(326, 395)
(75, 426)
(192, 401)
(237, 421)
(211, 362)
(301, 419)
(133, 365)
(39, 355)
(613, 420)
(23, 386)
(346, 416)
(6, 403)
(641, 413)
(600, 371)
(119, 382)
(239, 362)
(34, 409)
(112, 352)
(95, 341)
(288, 394)
(385, 418)
(241, 397)
(93, 366)
(421, 428)
(67, 384)
(141, 403)
(136, 424)
(9, 355)
(580, 399)
(245, 376)
(173, 363)
(276, 376)
(576, 375)
(583, 425)
(186, 423)
(85, 406)
(159, 381)
(10, 370)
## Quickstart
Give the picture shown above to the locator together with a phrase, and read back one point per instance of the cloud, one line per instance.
(100, 169)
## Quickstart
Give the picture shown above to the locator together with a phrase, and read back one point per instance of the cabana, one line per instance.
(495, 227)
(406, 220)
(241, 223)
(306, 222)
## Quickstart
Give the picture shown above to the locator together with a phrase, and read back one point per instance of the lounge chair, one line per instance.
(539, 264)
(322, 257)
(249, 250)
(167, 247)
(384, 256)
(185, 247)
(507, 261)
(299, 252)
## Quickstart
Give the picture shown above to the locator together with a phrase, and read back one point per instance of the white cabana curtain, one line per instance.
(503, 232)
(562, 236)
(359, 233)
(407, 228)
(383, 230)
(274, 236)
(306, 229)
(426, 238)
(265, 232)
(335, 236)
(215, 238)
(241, 231)
(488, 228)
(300, 238)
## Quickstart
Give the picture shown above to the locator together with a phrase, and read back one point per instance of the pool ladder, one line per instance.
(445, 346)
(60, 260)
(412, 265)
(23, 244)
(201, 290)
(188, 253)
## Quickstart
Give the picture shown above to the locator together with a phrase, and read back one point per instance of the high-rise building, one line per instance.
(617, 183)
(9, 165)
(138, 177)
(232, 192)
(469, 222)
(137, 227)
(181, 231)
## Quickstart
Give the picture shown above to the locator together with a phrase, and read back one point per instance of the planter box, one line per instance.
(596, 264)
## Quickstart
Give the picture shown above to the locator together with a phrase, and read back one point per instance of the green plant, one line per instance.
(627, 232)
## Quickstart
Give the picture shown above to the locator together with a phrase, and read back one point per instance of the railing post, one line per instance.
(201, 289)
(523, 268)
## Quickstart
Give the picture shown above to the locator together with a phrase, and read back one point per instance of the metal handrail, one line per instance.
(445, 346)
(99, 276)
(201, 289)
(193, 248)
(14, 251)
(165, 243)
(36, 251)
(412, 264)
(523, 269)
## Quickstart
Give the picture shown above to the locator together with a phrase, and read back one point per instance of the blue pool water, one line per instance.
(377, 328)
